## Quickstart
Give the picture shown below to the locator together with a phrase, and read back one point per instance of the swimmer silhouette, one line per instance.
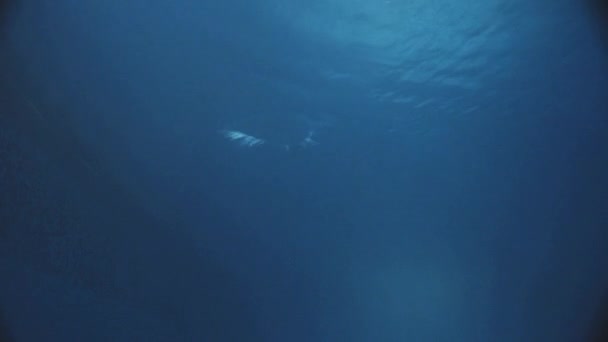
(246, 140)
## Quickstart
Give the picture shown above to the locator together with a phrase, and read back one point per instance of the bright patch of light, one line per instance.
(242, 138)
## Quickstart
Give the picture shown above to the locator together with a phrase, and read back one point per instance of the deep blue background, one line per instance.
(458, 191)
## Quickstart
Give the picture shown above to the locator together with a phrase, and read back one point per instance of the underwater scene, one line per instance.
(303, 170)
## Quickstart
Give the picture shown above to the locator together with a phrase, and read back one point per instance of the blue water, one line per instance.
(454, 188)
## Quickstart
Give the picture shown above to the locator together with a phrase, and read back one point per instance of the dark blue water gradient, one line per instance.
(456, 193)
